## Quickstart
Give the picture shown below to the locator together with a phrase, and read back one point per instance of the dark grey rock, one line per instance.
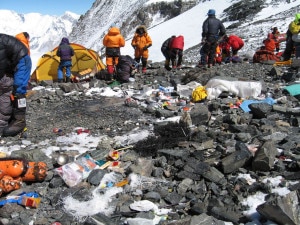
(282, 210)
(152, 196)
(236, 160)
(173, 198)
(96, 176)
(204, 219)
(265, 157)
(260, 110)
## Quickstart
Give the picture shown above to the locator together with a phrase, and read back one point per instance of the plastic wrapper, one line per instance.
(74, 172)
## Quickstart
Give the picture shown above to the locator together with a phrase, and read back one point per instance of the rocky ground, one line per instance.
(193, 172)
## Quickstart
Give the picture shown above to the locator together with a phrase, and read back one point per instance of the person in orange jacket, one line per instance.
(230, 45)
(113, 41)
(269, 43)
(141, 41)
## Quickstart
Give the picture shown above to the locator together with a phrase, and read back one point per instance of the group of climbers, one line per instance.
(113, 41)
(216, 45)
(270, 51)
(172, 49)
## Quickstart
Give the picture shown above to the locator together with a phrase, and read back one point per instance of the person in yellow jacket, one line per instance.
(141, 41)
(294, 28)
(113, 41)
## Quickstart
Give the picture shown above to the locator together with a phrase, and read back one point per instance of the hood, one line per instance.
(141, 27)
(65, 40)
(114, 31)
(24, 38)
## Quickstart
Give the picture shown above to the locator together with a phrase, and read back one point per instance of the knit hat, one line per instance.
(211, 12)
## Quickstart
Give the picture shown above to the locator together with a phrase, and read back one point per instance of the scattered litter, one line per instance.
(99, 203)
(73, 173)
(30, 199)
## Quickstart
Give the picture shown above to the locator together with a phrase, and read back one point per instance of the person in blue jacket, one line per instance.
(15, 69)
(65, 52)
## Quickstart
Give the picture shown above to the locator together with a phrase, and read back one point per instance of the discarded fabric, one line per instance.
(242, 89)
(245, 104)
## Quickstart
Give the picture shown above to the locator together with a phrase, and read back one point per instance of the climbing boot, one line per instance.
(18, 121)
(68, 80)
(167, 65)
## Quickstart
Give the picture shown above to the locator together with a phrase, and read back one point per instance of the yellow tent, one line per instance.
(83, 60)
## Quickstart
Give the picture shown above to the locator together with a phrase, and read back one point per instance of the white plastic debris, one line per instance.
(243, 89)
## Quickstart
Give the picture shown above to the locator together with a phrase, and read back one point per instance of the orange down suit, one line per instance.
(270, 44)
(113, 40)
(141, 41)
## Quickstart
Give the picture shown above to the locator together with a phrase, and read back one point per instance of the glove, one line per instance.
(145, 48)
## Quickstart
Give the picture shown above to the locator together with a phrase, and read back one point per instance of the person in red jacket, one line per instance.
(176, 51)
(230, 46)
(113, 41)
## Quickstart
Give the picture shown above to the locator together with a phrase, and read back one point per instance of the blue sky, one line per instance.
(53, 7)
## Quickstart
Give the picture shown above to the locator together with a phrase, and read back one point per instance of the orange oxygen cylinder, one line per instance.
(36, 171)
(28, 171)
(12, 167)
(8, 184)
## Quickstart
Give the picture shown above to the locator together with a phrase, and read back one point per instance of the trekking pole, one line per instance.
(120, 149)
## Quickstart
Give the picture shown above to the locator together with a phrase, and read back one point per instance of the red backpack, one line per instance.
(177, 42)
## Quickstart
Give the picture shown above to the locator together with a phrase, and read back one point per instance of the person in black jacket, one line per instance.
(15, 69)
(65, 52)
(212, 31)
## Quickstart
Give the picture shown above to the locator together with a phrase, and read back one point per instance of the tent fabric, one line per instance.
(83, 59)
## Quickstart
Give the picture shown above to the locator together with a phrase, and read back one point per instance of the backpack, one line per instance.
(125, 66)
(177, 42)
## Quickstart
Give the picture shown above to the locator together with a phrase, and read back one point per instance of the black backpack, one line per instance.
(124, 68)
